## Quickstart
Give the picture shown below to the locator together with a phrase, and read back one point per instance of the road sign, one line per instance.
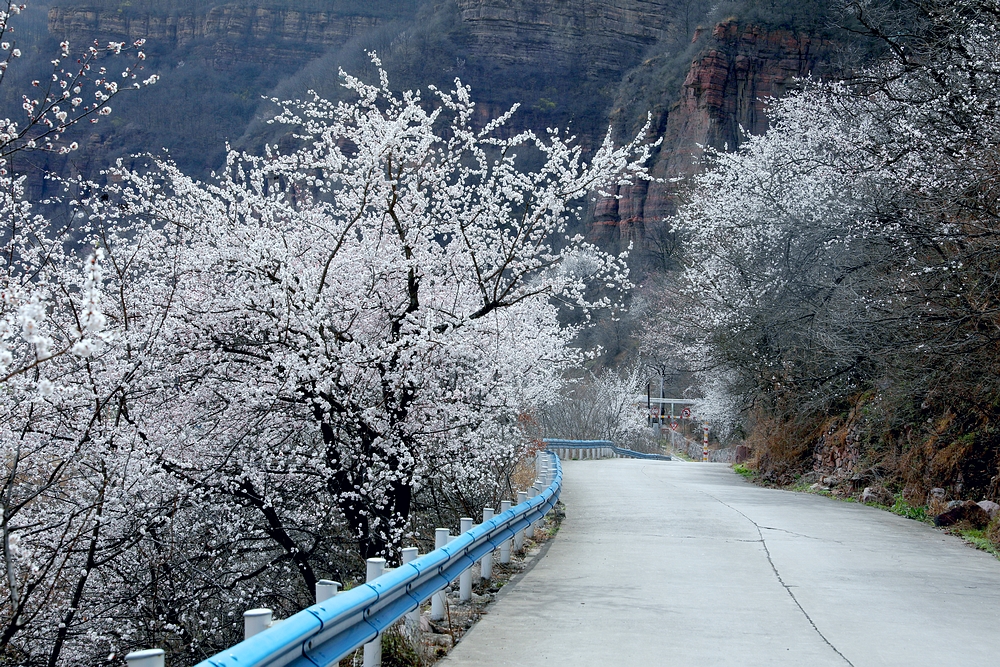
(673, 426)
(686, 413)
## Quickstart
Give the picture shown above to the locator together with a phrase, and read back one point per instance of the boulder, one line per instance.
(968, 511)
(991, 508)
(878, 495)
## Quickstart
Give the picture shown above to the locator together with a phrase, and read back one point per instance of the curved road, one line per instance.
(672, 563)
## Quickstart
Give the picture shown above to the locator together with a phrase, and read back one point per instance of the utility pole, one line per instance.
(704, 441)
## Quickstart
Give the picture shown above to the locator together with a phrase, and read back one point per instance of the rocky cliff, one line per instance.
(253, 34)
(723, 98)
(601, 36)
(563, 59)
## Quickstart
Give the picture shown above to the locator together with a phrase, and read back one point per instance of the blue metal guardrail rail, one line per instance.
(324, 633)
(554, 444)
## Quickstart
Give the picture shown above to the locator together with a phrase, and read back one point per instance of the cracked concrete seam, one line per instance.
(788, 589)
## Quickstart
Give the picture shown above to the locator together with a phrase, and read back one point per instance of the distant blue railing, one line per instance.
(326, 632)
(597, 449)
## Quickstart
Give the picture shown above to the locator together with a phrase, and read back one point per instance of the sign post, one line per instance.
(704, 441)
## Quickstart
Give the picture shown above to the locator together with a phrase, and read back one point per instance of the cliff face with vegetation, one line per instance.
(723, 98)
(583, 65)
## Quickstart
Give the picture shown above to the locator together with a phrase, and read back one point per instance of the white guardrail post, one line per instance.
(437, 601)
(465, 579)
(256, 621)
(326, 589)
(373, 649)
(522, 496)
(529, 532)
(505, 546)
(409, 554)
(486, 562)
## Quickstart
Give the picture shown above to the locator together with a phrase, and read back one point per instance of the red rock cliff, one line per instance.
(723, 97)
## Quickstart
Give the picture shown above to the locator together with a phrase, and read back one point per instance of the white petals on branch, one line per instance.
(92, 321)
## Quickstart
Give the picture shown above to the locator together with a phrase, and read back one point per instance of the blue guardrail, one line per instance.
(324, 633)
(592, 444)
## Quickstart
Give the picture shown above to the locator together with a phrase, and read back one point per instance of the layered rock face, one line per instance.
(258, 34)
(723, 99)
(593, 42)
(602, 36)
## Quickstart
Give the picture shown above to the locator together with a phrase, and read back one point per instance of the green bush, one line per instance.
(903, 508)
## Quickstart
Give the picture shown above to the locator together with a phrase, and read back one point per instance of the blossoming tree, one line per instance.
(852, 248)
(68, 355)
(247, 371)
(387, 289)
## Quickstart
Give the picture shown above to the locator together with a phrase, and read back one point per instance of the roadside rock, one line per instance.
(967, 511)
(877, 494)
(936, 501)
(991, 508)
(438, 629)
(443, 640)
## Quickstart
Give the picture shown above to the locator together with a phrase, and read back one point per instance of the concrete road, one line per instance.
(672, 563)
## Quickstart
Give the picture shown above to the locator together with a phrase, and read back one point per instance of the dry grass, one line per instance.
(780, 449)
(992, 532)
(523, 475)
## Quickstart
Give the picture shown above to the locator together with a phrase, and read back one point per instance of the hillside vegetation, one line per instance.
(840, 299)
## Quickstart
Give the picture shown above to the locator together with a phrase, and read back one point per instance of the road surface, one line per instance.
(673, 563)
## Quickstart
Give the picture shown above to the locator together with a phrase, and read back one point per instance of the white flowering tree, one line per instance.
(604, 406)
(68, 356)
(382, 299)
(852, 247)
(208, 387)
